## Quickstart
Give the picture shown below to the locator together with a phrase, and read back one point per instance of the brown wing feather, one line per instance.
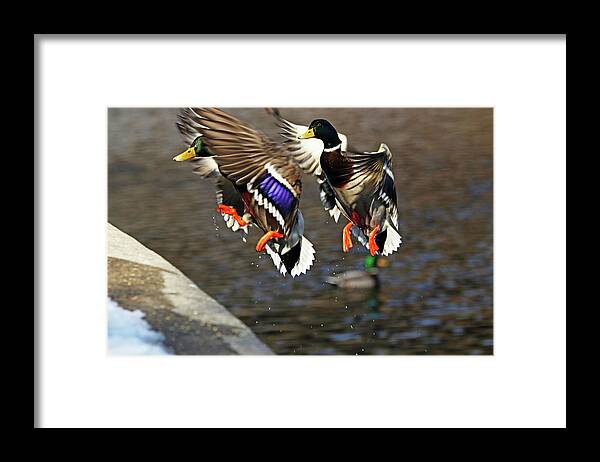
(241, 151)
(358, 177)
(367, 168)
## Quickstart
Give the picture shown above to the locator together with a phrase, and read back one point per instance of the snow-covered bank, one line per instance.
(191, 321)
(129, 334)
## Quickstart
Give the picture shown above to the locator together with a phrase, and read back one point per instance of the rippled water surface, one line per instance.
(436, 296)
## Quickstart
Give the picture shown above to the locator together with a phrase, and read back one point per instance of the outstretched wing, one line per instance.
(186, 128)
(388, 239)
(360, 168)
(251, 161)
(241, 151)
(388, 187)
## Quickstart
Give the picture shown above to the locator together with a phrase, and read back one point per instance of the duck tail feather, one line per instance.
(393, 240)
(276, 260)
(299, 258)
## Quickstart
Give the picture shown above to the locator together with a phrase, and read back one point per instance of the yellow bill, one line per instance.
(310, 133)
(188, 154)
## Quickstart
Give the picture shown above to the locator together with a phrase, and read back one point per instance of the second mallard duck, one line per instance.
(362, 185)
(259, 183)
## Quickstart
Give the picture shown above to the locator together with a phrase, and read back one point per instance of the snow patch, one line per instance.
(129, 334)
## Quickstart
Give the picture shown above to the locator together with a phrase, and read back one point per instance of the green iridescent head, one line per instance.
(193, 151)
(370, 263)
(197, 144)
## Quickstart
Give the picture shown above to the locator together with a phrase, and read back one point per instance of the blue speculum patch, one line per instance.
(277, 194)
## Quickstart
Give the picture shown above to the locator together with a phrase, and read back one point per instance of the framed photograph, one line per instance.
(388, 227)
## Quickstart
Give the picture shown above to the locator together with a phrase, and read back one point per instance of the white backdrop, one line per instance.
(523, 384)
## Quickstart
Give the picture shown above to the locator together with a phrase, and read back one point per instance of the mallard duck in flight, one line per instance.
(374, 169)
(258, 183)
(363, 189)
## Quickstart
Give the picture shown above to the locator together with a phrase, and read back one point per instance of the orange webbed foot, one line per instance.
(373, 247)
(346, 238)
(227, 210)
(260, 245)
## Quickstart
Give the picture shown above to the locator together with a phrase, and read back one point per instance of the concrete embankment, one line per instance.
(191, 321)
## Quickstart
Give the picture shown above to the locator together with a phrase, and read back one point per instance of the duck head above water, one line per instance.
(356, 279)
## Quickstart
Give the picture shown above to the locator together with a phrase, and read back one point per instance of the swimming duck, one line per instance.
(356, 279)
(363, 190)
(258, 183)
